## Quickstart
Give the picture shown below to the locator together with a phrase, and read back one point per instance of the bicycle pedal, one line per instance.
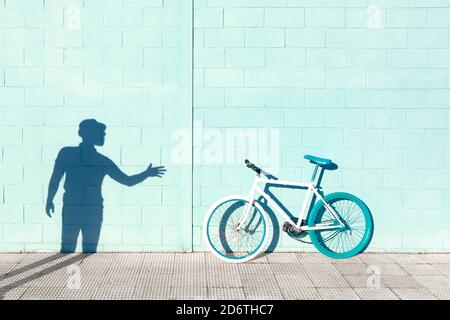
(286, 226)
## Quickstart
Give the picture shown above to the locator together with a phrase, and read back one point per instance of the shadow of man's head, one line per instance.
(92, 132)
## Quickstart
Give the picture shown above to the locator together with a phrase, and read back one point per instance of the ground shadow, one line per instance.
(38, 274)
(84, 169)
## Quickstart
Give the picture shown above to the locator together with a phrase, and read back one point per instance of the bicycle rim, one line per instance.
(353, 237)
(231, 242)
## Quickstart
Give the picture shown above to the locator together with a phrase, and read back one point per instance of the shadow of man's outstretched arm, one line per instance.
(58, 172)
(118, 175)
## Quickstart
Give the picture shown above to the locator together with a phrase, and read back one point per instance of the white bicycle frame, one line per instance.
(311, 189)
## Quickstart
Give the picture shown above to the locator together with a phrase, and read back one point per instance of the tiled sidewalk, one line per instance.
(202, 276)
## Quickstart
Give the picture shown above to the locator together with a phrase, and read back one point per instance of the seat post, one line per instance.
(313, 178)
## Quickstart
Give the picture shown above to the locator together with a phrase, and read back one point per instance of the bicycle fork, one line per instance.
(248, 207)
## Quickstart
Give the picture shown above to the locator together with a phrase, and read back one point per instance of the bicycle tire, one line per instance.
(346, 242)
(221, 236)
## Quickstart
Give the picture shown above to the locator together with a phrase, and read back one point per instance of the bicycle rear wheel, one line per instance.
(349, 240)
(228, 240)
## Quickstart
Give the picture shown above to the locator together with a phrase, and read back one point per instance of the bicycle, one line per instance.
(340, 225)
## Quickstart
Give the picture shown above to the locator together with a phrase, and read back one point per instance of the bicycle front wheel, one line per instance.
(348, 241)
(229, 240)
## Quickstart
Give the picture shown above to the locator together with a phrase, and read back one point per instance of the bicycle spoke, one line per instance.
(231, 240)
(342, 240)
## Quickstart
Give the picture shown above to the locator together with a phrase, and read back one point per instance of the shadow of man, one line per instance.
(85, 169)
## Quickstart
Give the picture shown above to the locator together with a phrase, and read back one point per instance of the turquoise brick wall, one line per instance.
(365, 83)
(126, 63)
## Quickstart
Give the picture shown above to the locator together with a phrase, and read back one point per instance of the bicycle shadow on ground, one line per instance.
(274, 217)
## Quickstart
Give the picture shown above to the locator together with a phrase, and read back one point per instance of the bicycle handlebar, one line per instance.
(253, 167)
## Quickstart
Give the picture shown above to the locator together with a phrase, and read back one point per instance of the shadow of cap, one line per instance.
(90, 125)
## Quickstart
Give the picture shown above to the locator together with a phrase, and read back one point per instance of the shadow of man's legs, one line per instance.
(69, 237)
(84, 219)
(91, 235)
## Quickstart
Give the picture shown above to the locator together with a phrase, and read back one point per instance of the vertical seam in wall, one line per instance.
(191, 41)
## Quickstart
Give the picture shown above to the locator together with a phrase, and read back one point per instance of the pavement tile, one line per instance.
(436, 258)
(202, 276)
(13, 258)
(188, 281)
(266, 293)
(338, 294)
(189, 258)
(211, 259)
(293, 281)
(400, 282)
(261, 259)
(389, 269)
(6, 267)
(413, 294)
(11, 293)
(376, 294)
(221, 278)
(407, 258)
(92, 280)
(156, 269)
(37, 293)
(94, 269)
(314, 258)
(287, 257)
(119, 281)
(295, 293)
(422, 270)
(50, 281)
(263, 284)
(225, 293)
(113, 293)
(352, 269)
(329, 281)
(192, 292)
(433, 281)
(441, 293)
(376, 258)
(321, 269)
(19, 280)
(155, 292)
(77, 294)
(359, 281)
(130, 258)
(160, 258)
(354, 259)
(444, 268)
(287, 268)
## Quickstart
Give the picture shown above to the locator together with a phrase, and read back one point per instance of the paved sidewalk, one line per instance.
(202, 276)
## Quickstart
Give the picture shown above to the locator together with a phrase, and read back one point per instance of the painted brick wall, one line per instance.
(123, 62)
(365, 83)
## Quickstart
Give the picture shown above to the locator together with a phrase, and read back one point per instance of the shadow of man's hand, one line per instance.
(155, 171)
(49, 209)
